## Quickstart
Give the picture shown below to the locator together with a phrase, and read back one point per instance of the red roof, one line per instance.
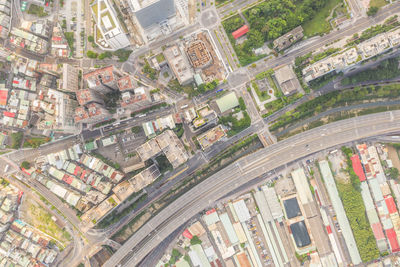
(9, 114)
(329, 229)
(3, 97)
(378, 232)
(394, 244)
(390, 204)
(210, 211)
(358, 168)
(240, 32)
(187, 234)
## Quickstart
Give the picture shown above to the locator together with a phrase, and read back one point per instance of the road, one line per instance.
(244, 170)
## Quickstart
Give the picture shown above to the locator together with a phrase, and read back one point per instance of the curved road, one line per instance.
(239, 173)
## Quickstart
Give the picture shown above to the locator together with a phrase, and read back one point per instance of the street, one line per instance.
(245, 170)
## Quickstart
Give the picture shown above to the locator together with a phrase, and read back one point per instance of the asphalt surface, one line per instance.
(244, 170)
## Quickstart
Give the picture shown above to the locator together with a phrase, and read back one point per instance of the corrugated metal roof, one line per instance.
(394, 244)
(273, 203)
(378, 231)
(390, 204)
(240, 32)
(302, 186)
(358, 168)
(226, 222)
(376, 189)
(241, 210)
(341, 215)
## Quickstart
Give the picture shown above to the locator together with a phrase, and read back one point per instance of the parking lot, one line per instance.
(123, 151)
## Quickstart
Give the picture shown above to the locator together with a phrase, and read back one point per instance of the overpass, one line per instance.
(244, 170)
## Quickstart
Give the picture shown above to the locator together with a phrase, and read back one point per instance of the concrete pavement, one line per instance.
(244, 170)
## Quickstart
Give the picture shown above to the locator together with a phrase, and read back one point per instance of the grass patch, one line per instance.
(16, 140)
(35, 142)
(160, 58)
(378, 3)
(319, 24)
(38, 217)
(37, 10)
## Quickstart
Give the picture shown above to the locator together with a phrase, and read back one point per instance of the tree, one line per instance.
(242, 104)
(394, 173)
(90, 38)
(195, 240)
(91, 54)
(372, 10)
(25, 165)
(106, 54)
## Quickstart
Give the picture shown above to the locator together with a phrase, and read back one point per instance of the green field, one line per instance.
(318, 24)
(378, 3)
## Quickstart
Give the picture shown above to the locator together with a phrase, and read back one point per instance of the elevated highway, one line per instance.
(244, 170)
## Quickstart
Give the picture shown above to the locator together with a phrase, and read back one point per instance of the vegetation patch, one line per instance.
(35, 142)
(388, 25)
(355, 210)
(319, 24)
(335, 99)
(37, 10)
(16, 140)
(387, 69)
(116, 216)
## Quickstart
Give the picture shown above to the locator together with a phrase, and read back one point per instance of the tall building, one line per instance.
(103, 80)
(110, 34)
(157, 17)
(179, 64)
(70, 78)
(87, 96)
(91, 113)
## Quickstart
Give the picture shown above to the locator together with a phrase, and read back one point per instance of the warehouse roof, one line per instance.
(394, 244)
(390, 204)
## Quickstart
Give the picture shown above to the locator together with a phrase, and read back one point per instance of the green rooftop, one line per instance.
(227, 102)
(91, 146)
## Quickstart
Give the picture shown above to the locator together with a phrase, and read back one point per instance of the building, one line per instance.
(86, 96)
(26, 40)
(289, 38)
(340, 213)
(227, 102)
(144, 178)
(198, 54)
(152, 127)
(126, 83)
(169, 144)
(210, 137)
(136, 99)
(5, 18)
(287, 80)
(56, 110)
(110, 34)
(158, 17)
(69, 78)
(179, 64)
(103, 80)
(240, 32)
(91, 113)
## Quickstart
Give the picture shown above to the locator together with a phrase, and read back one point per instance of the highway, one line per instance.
(244, 170)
